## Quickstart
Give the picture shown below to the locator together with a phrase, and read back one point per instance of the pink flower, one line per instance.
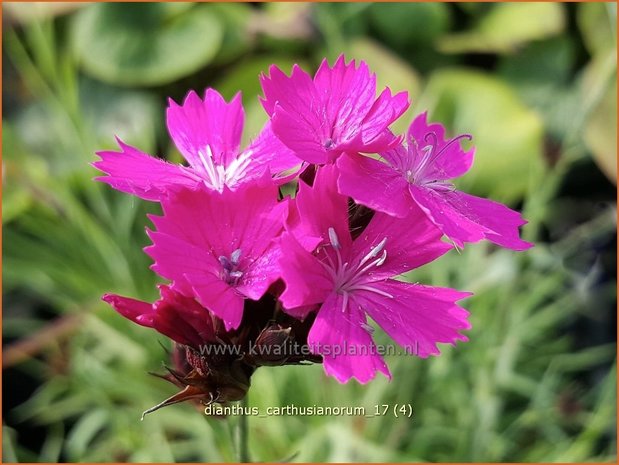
(220, 246)
(208, 134)
(418, 175)
(178, 317)
(335, 112)
(349, 279)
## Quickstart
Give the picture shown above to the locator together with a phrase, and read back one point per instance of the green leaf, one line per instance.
(507, 135)
(105, 112)
(145, 43)
(25, 13)
(128, 114)
(600, 131)
(404, 24)
(16, 197)
(84, 431)
(9, 436)
(597, 23)
(541, 75)
(236, 39)
(284, 26)
(547, 61)
(506, 27)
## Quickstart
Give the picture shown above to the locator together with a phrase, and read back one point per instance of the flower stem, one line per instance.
(243, 435)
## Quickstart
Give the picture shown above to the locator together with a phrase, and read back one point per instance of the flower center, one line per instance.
(328, 144)
(352, 277)
(217, 175)
(229, 268)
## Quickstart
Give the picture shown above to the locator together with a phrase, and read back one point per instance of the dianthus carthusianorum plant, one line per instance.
(258, 278)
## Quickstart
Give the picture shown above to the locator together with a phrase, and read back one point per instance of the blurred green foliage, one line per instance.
(535, 84)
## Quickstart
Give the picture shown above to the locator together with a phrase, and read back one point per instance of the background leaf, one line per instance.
(145, 43)
(506, 27)
(508, 148)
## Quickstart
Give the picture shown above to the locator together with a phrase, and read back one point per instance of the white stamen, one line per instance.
(347, 278)
(431, 155)
(344, 301)
(334, 239)
(215, 173)
(236, 169)
(374, 251)
(367, 328)
(382, 258)
(364, 287)
(235, 256)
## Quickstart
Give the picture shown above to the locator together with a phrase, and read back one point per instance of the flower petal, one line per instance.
(307, 282)
(137, 173)
(261, 273)
(411, 243)
(304, 133)
(174, 257)
(174, 308)
(320, 207)
(374, 184)
(248, 218)
(135, 310)
(466, 218)
(209, 122)
(397, 158)
(267, 152)
(417, 317)
(348, 95)
(220, 298)
(178, 317)
(375, 135)
(292, 92)
(339, 335)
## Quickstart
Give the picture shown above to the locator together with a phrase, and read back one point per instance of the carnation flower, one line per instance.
(419, 174)
(335, 112)
(220, 247)
(351, 279)
(208, 134)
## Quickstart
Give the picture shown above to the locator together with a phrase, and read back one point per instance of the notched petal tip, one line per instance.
(172, 104)
(192, 96)
(275, 72)
(121, 143)
(237, 98)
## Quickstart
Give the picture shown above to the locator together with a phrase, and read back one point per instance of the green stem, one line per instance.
(243, 435)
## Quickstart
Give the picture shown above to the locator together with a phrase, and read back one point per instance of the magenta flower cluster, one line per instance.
(369, 205)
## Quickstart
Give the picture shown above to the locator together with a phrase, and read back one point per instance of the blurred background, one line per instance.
(534, 83)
